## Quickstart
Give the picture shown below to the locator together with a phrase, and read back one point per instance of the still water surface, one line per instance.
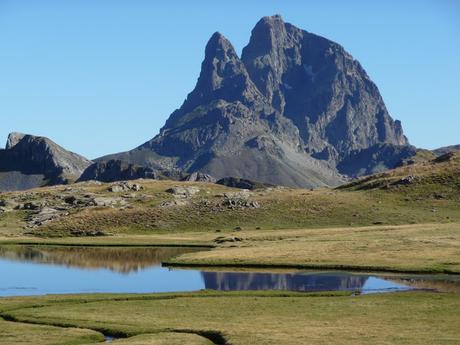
(37, 270)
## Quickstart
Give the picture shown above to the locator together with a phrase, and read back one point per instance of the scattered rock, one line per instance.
(183, 191)
(7, 205)
(406, 180)
(29, 206)
(116, 189)
(239, 200)
(125, 186)
(108, 202)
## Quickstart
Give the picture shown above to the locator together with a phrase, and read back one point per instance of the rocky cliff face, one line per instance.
(29, 161)
(316, 84)
(296, 109)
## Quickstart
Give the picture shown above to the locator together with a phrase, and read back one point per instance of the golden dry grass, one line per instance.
(418, 248)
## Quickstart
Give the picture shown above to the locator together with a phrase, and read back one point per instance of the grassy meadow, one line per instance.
(405, 220)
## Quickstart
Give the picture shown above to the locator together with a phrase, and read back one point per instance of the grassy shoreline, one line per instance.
(320, 267)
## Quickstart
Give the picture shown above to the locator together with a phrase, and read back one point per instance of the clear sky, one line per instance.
(102, 76)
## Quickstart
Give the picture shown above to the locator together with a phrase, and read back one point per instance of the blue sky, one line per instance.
(100, 76)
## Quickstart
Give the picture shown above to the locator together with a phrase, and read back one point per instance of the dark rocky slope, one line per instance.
(446, 149)
(30, 161)
(116, 170)
(296, 109)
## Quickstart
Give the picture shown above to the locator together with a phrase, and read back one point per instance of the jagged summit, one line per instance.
(296, 109)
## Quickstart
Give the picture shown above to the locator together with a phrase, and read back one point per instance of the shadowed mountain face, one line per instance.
(296, 109)
(116, 170)
(29, 161)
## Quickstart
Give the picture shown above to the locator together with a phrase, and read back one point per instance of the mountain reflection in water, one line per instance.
(230, 281)
(118, 259)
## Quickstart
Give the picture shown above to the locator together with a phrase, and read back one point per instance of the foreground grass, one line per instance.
(409, 248)
(254, 318)
(21, 333)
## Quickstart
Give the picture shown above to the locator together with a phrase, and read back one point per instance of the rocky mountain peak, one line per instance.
(223, 75)
(296, 109)
(220, 48)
